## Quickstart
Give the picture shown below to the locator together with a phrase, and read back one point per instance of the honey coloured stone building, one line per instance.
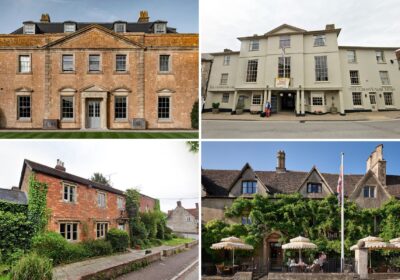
(117, 75)
(184, 221)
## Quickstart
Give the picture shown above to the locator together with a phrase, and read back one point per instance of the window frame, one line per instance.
(256, 96)
(101, 229)
(100, 201)
(245, 187)
(246, 220)
(369, 188)
(321, 68)
(116, 117)
(317, 38)
(100, 63)
(287, 67)
(20, 63)
(224, 79)
(354, 58)
(71, 234)
(116, 63)
(69, 24)
(355, 94)
(157, 25)
(119, 24)
(169, 64)
(251, 74)
(24, 118)
(254, 45)
(62, 63)
(30, 25)
(284, 41)
(384, 80)
(385, 98)
(226, 60)
(225, 97)
(70, 187)
(314, 187)
(354, 80)
(62, 108)
(169, 108)
(120, 206)
(381, 56)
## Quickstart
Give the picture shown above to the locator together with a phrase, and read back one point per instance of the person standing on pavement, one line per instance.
(267, 109)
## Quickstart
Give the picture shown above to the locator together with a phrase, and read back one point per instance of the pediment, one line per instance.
(285, 29)
(314, 176)
(368, 179)
(94, 37)
(94, 88)
(247, 174)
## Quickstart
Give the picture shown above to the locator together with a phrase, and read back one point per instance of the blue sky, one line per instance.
(181, 14)
(300, 156)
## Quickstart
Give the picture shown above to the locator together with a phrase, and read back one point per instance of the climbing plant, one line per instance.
(38, 212)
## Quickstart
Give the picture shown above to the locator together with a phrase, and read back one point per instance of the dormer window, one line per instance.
(314, 188)
(249, 187)
(369, 191)
(120, 27)
(69, 27)
(160, 28)
(29, 28)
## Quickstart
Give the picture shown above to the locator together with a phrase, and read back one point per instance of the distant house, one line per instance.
(184, 222)
(14, 195)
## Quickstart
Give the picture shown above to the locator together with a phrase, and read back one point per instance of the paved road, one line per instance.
(301, 130)
(166, 268)
(192, 274)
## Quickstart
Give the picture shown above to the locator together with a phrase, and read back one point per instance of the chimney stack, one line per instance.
(60, 165)
(197, 205)
(143, 16)
(377, 164)
(179, 203)
(330, 27)
(45, 18)
(281, 161)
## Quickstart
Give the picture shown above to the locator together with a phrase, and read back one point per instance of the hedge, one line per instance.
(119, 239)
(195, 115)
(7, 206)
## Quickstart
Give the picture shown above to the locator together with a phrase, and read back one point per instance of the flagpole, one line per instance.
(342, 220)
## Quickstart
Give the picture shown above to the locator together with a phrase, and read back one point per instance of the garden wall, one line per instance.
(312, 276)
(173, 251)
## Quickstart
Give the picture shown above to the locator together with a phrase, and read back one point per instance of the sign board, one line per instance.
(282, 82)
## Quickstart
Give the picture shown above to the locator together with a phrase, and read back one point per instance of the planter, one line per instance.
(334, 110)
(239, 111)
(215, 110)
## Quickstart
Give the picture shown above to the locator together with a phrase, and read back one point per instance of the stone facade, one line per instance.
(184, 221)
(319, 76)
(93, 94)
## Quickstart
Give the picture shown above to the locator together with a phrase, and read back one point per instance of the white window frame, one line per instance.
(287, 66)
(380, 56)
(385, 80)
(317, 100)
(169, 63)
(284, 41)
(29, 28)
(100, 62)
(71, 233)
(71, 195)
(121, 226)
(62, 63)
(353, 97)
(227, 60)
(319, 40)
(101, 200)
(258, 97)
(371, 190)
(160, 28)
(101, 229)
(254, 45)
(388, 96)
(353, 58)
(120, 203)
(119, 24)
(68, 29)
(225, 97)
(321, 68)
(224, 79)
(354, 77)
(126, 63)
(252, 73)
(29, 61)
(62, 107)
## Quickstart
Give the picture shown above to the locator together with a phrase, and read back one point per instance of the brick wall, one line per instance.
(146, 203)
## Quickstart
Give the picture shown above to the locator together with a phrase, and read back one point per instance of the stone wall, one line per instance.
(312, 276)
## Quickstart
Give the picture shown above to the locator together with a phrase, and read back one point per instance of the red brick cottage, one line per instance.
(80, 208)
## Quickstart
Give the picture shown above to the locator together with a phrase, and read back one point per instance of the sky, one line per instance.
(363, 22)
(181, 14)
(161, 169)
(300, 156)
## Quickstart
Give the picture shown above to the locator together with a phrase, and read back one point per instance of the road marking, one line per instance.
(185, 270)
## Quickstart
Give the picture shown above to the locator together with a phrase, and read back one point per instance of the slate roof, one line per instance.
(217, 182)
(14, 196)
(40, 168)
(58, 27)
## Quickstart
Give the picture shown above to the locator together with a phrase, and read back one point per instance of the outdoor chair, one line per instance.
(220, 268)
(316, 268)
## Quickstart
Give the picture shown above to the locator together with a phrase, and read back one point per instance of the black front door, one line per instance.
(288, 102)
(275, 256)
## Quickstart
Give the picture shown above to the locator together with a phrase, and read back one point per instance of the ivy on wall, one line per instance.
(38, 213)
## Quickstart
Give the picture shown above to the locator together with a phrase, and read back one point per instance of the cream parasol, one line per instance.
(299, 243)
(231, 243)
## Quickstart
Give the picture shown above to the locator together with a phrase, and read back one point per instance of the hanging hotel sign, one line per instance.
(282, 82)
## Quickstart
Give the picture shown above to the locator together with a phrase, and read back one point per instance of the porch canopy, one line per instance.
(299, 243)
(231, 243)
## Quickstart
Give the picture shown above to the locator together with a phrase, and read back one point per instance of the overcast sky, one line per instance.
(181, 14)
(363, 22)
(161, 169)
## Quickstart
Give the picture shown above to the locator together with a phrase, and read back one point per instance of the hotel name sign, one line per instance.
(221, 87)
(373, 89)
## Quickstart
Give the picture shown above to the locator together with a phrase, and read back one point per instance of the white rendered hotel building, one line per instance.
(304, 72)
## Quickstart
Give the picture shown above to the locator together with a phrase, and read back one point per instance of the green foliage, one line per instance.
(51, 245)
(215, 105)
(193, 146)
(32, 267)
(100, 178)
(15, 234)
(119, 239)
(98, 247)
(37, 207)
(7, 206)
(194, 116)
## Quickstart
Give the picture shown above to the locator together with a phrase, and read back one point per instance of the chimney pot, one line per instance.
(227, 50)
(179, 203)
(329, 27)
(45, 18)
(143, 16)
(60, 165)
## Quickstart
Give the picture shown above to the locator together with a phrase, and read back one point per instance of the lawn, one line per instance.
(97, 135)
(177, 241)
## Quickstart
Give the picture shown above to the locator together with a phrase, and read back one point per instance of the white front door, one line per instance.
(93, 114)
(372, 100)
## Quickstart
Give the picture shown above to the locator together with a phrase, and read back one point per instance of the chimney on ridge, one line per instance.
(377, 164)
(60, 165)
(281, 157)
(330, 27)
(179, 203)
(45, 18)
(143, 16)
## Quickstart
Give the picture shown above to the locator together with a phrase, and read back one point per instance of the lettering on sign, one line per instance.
(372, 89)
(282, 82)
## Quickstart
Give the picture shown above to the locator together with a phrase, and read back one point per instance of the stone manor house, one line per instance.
(221, 187)
(112, 75)
(302, 72)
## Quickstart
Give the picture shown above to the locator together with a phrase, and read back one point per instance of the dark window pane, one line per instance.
(120, 107)
(24, 106)
(67, 107)
(94, 62)
(120, 63)
(163, 108)
(164, 63)
(62, 229)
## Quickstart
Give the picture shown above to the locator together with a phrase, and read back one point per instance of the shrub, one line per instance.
(167, 233)
(99, 247)
(215, 105)
(32, 267)
(119, 239)
(195, 115)
(74, 252)
(51, 245)
(156, 242)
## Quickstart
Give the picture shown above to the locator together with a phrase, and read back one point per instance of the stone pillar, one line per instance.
(269, 93)
(361, 258)
(265, 98)
(234, 101)
(302, 103)
(103, 113)
(140, 85)
(83, 112)
(341, 104)
(297, 103)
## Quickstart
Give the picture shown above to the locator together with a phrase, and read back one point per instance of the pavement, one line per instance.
(183, 266)
(290, 116)
(76, 270)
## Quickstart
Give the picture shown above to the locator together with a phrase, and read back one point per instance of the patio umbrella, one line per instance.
(231, 243)
(395, 242)
(299, 243)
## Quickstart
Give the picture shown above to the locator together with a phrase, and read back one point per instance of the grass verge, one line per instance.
(177, 241)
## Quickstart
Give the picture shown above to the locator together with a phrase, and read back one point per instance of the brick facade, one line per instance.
(141, 83)
(147, 203)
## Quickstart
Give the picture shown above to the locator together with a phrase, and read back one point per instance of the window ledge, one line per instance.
(68, 72)
(121, 120)
(67, 120)
(24, 73)
(382, 62)
(352, 62)
(322, 82)
(94, 72)
(24, 120)
(121, 72)
(165, 73)
(165, 121)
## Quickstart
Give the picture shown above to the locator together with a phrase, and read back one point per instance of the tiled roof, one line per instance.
(58, 27)
(14, 196)
(67, 176)
(194, 212)
(218, 182)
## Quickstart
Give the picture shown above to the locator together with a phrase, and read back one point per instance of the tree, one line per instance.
(100, 178)
(193, 146)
